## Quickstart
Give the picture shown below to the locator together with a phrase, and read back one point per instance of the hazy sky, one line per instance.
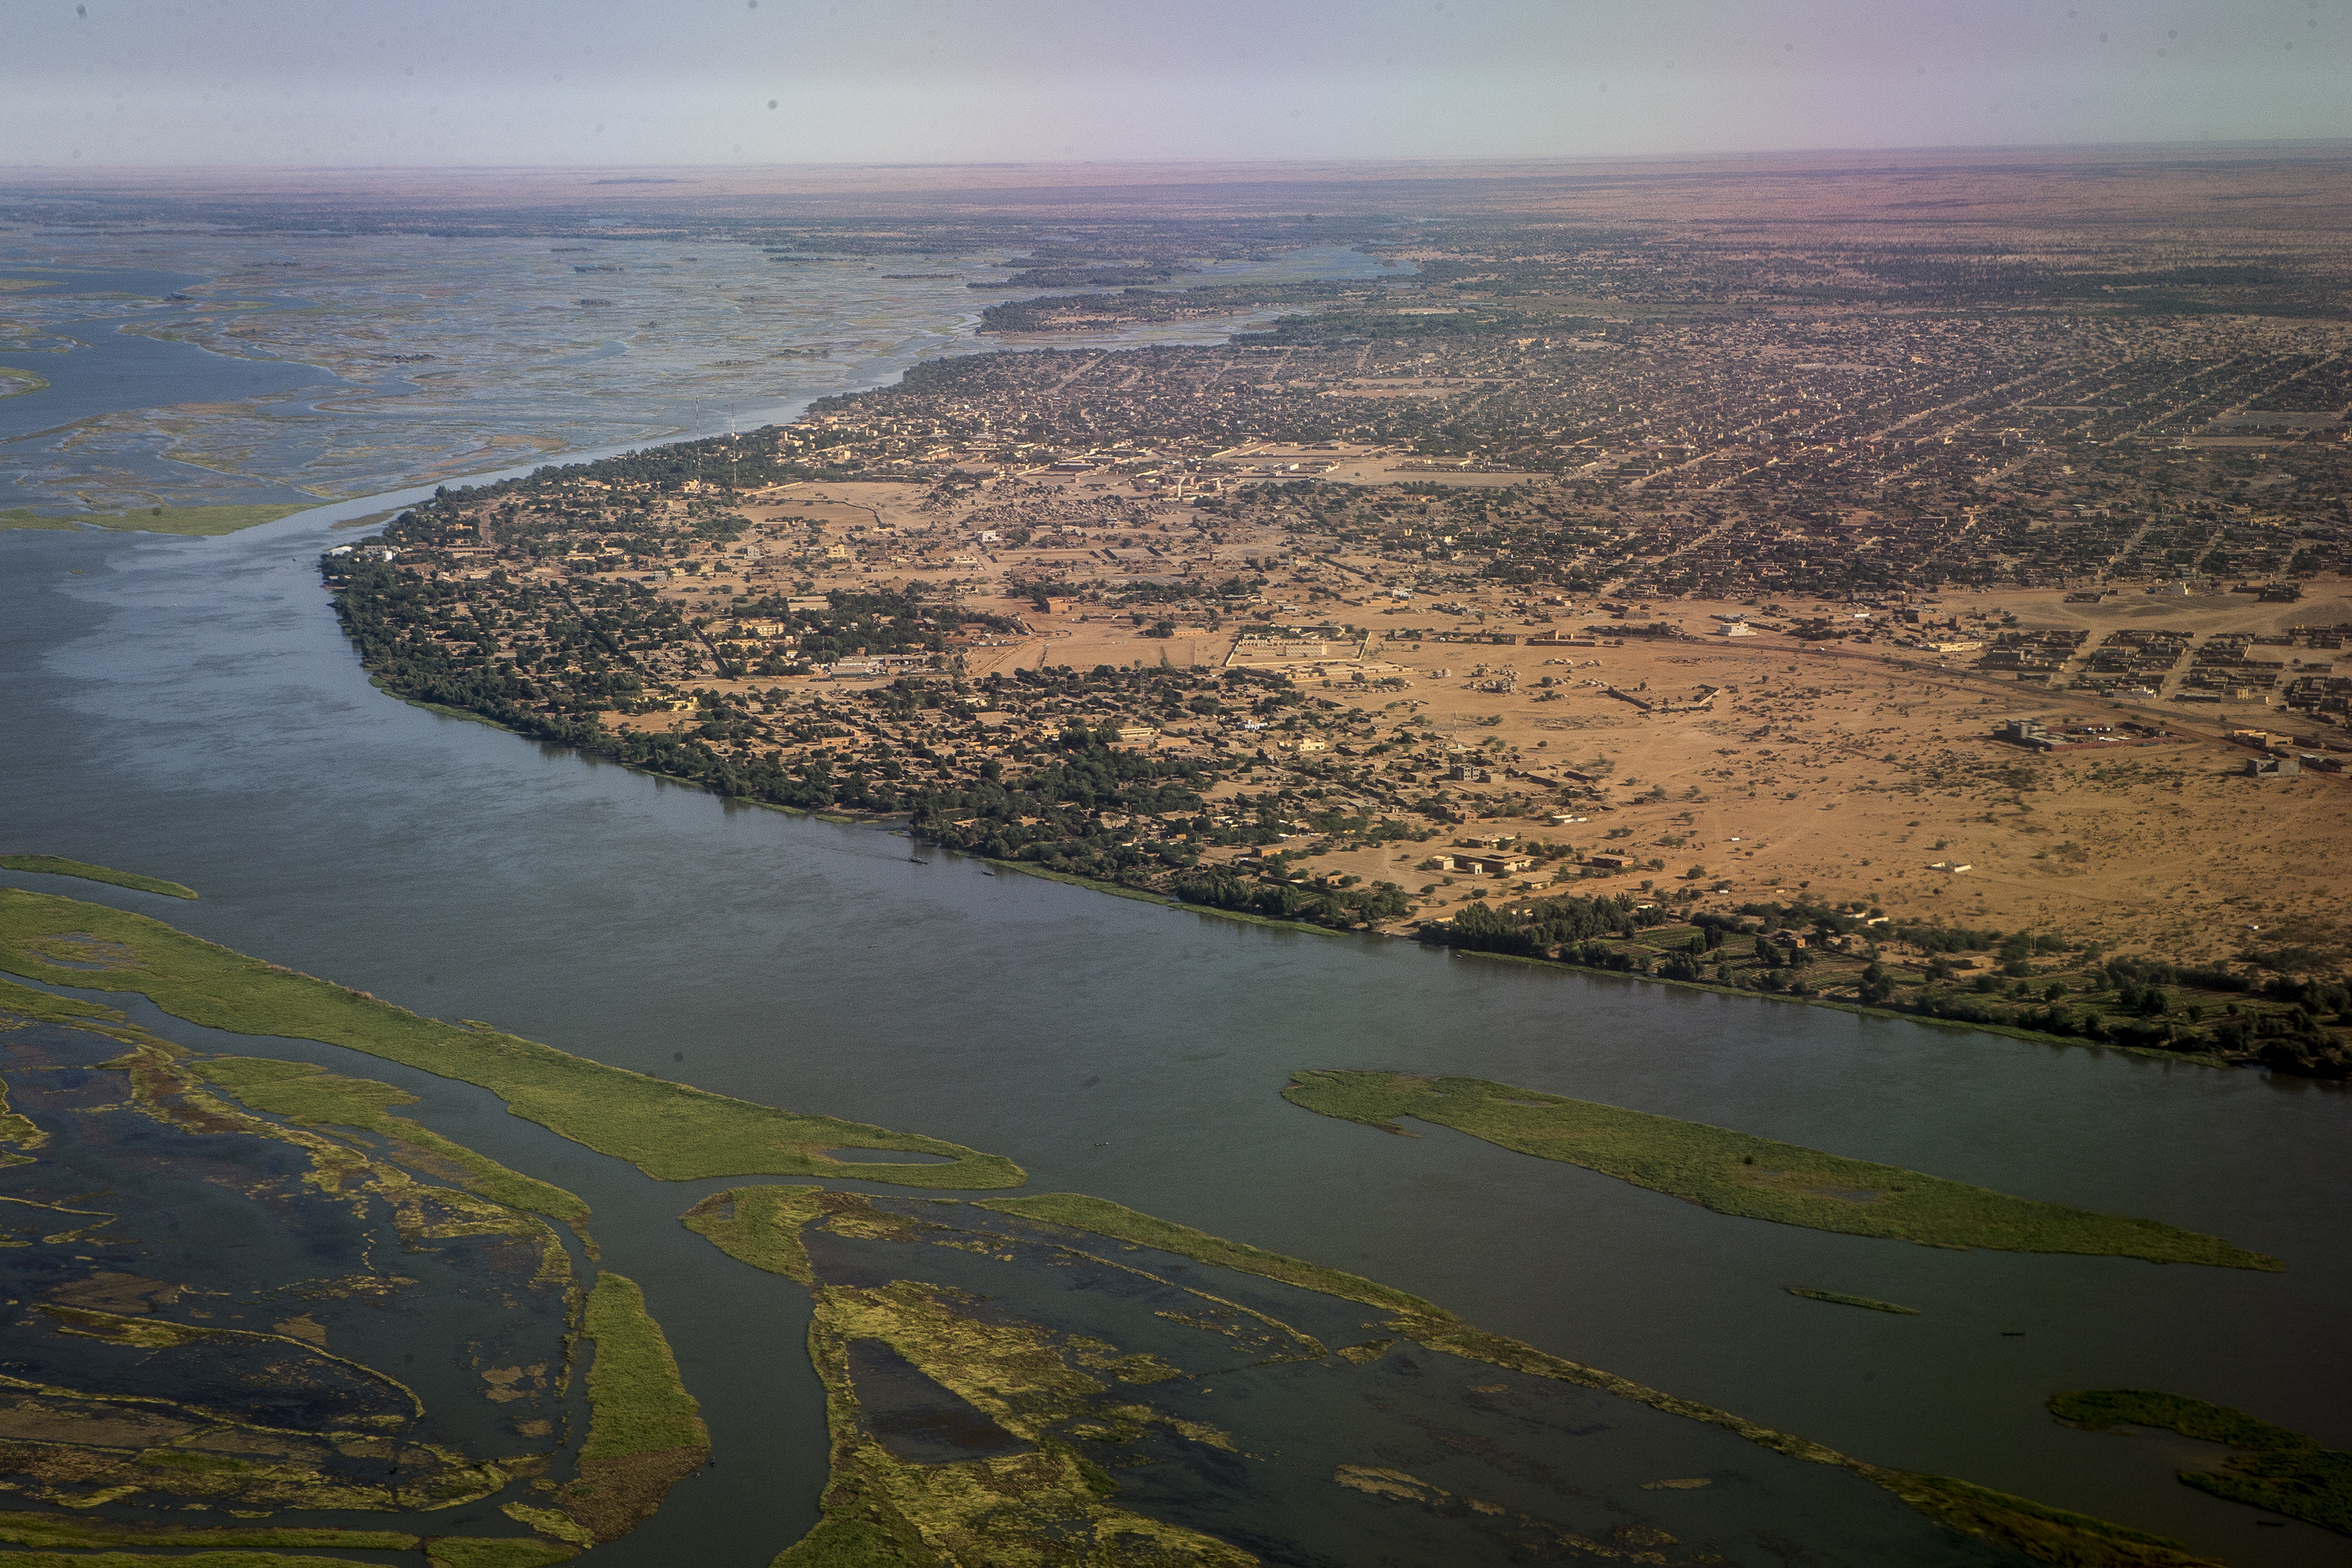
(343, 83)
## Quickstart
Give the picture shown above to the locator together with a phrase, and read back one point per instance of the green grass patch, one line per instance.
(302, 1092)
(495, 1552)
(846, 1541)
(639, 1404)
(1243, 917)
(1149, 896)
(192, 1560)
(2274, 1469)
(551, 1521)
(14, 382)
(1072, 879)
(1755, 1178)
(59, 866)
(205, 521)
(66, 1530)
(2044, 1533)
(761, 1226)
(671, 1132)
(24, 1002)
(1838, 1298)
(1104, 1218)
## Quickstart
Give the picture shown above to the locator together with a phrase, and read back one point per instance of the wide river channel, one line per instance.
(189, 708)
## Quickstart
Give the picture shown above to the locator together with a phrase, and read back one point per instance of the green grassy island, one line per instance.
(59, 866)
(2273, 1467)
(1756, 1178)
(644, 1431)
(1839, 1299)
(671, 1132)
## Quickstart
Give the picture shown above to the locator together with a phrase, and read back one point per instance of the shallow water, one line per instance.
(455, 356)
(111, 371)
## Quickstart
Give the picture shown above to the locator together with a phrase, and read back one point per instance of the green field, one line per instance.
(59, 866)
(671, 1132)
(1755, 1178)
(2273, 1467)
(200, 520)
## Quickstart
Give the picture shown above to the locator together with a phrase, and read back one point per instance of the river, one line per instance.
(188, 709)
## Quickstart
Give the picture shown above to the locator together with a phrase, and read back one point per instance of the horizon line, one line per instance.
(2209, 144)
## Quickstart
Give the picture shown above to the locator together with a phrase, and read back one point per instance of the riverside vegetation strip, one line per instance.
(2273, 1467)
(440, 1552)
(669, 1130)
(1756, 1178)
(59, 866)
(1839, 1299)
(880, 1510)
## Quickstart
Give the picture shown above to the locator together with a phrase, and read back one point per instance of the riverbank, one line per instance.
(1836, 1005)
(59, 866)
(2037, 986)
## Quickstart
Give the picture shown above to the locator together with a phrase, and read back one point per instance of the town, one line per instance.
(1942, 640)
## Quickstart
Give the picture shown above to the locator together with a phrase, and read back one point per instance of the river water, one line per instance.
(188, 709)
